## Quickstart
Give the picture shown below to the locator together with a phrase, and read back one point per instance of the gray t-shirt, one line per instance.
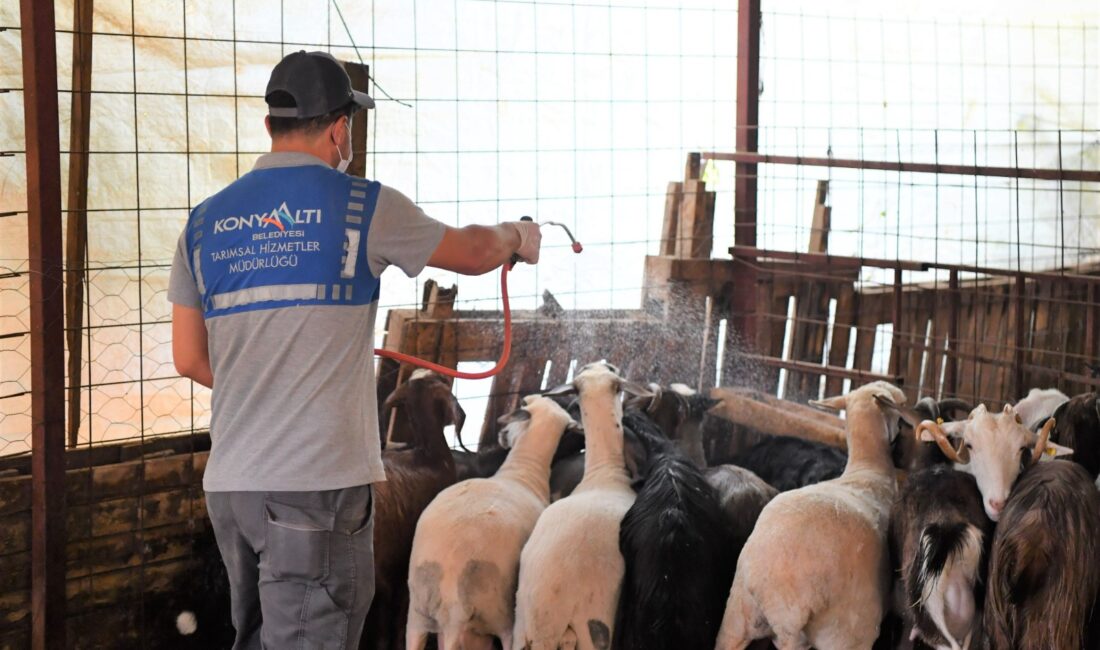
(294, 405)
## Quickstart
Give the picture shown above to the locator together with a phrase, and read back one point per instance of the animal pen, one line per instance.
(802, 212)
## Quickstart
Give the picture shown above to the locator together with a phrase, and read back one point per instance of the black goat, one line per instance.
(939, 533)
(676, 547)
(1077, 426)
(741, 496)
(788, 463)
(911, 454)
(1043, 572)
(414, 475)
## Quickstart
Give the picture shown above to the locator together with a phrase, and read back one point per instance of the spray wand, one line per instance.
(507, 348)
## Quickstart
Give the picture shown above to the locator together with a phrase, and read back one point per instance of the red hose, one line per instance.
(451, 372)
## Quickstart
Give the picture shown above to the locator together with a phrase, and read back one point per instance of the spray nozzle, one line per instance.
(577, 248)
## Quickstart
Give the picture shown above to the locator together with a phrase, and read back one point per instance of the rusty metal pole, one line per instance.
(47, 302)
(743, 300)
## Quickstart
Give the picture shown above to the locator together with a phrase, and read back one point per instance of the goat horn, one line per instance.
(954, 404)
(1041, 443)
(954, 455)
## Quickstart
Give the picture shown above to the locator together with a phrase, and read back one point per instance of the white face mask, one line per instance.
(344, 162)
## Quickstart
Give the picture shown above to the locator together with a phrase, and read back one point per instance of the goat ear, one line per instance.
(518, 415)
(561, 391)
(635, 389)
(951, 429)
(458, 416)
(1054, 450)
(910, 416)
(830, 403)
(397, 396)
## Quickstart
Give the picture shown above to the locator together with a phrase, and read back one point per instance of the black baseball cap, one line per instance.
(318, 84)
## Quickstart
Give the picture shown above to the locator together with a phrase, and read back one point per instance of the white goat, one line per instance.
(465, 556)
(994, 448)
(815, 571)
(1039, 405)
(571, 570)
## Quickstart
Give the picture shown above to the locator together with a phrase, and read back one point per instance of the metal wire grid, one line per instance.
(129, 386)
(125, 297)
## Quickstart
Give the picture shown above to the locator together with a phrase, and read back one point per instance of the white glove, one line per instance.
(530, 240)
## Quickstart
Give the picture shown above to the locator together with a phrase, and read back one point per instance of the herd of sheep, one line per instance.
(607, 518)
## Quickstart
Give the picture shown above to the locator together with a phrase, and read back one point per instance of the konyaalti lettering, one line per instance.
(277, 220)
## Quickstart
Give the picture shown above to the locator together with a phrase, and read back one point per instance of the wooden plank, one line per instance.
(951, 368)
(693, 166)
(808, 338)
(670, 227)
(696, 221)
(934, 376)
(996, 383)
(842, 333)
(819, 228)
(76, 226)
(107, 570)
(1019, 297)
(360, 80)
(866, 332)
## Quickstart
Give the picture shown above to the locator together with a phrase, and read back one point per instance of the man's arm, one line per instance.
(475, 250)
(189, 349)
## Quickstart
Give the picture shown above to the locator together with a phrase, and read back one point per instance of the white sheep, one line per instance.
(571, 569)
(815, 571)
(465, 556)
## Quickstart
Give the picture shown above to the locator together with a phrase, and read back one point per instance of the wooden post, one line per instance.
(77, 219)
(1092, 297)
(696, 221)
(47, 315)
(743, 322)
(748, 111)
(819, 230)
(898, 358)
(670, 228)
(360, 80)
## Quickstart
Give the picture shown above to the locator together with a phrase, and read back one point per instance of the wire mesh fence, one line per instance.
(583, 112)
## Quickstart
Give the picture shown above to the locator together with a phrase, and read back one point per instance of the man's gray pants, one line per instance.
(301, 565)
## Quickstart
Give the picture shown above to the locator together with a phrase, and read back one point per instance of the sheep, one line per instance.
(995, 448)
(491, 456)
(566, 473)
(815, 571)
(1039, 406)
(571, 568)
(1077, 425)
(938, 534)
(674, 540)
(414, 475)
(1043, 574)
(465, 556)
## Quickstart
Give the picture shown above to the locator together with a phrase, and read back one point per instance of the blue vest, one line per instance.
(284, 237)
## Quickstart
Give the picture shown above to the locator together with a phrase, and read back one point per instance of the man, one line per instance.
(274, 288)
